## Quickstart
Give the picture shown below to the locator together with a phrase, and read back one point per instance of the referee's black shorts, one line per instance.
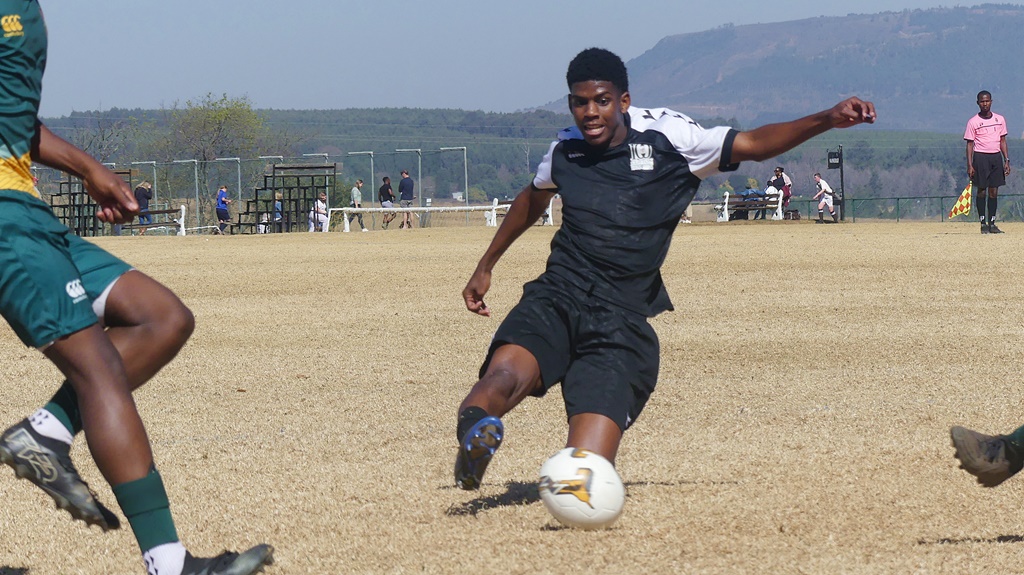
(606, 358)
(988, 170)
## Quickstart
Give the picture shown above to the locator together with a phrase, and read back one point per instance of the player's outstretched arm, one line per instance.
(773, 139)
(526, 209)
(114, 196)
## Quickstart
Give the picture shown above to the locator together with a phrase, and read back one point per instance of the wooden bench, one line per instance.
(178, 224)
(733, 204)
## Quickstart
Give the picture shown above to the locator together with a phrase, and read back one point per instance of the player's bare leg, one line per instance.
(511, 376)
(117, 439)
(596, 433)
(147, 324)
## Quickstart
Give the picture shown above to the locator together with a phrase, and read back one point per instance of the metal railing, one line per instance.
(926, 208)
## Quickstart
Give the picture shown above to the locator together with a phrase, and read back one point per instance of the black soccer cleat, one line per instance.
(992, 229)
(476, 450)
(47, 463)
(230, 563)
(991, 459)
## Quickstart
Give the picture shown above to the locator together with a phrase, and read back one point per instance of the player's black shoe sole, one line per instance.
(47, 463)
(476, 450)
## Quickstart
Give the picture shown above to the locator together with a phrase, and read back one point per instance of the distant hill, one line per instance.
(922, 68)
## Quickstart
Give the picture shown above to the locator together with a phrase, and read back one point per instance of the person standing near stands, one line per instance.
(144, 193)
(223, 216)
(278, 212)
(357, 202)
(826, 194)
(387, 201)
(405, 196)
(106, 326)
(988, 162)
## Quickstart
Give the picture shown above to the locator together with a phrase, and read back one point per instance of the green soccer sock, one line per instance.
(64, 406)
(144, 502)
(1017, 438)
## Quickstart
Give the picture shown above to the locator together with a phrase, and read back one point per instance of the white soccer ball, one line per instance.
(581, 489)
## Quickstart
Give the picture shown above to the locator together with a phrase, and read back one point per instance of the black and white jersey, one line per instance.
(621, 205)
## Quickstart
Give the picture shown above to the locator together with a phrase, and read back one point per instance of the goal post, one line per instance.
(425, 217)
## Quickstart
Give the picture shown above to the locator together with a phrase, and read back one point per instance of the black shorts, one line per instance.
(223, 215)
(988, 170)
(606, 358)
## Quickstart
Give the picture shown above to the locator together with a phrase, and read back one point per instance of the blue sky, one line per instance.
(373, 53)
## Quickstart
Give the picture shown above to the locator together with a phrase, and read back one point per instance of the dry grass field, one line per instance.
(809, 378)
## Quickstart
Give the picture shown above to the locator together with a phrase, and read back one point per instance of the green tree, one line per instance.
(212, 128)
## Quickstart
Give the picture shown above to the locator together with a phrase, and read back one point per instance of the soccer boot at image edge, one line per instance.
(47, 463)
(992, 459)
(476, 450)
(230, 563)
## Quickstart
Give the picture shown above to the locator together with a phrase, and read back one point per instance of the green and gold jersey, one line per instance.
(22, 61)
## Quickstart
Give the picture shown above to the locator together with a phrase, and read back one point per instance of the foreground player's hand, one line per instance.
(475, 291)
(853, 111)
(115, 198)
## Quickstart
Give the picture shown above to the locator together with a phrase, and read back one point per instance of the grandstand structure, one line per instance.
(299, 186)
(75, 209)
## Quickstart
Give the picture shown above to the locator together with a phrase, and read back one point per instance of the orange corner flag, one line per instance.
(962, 207)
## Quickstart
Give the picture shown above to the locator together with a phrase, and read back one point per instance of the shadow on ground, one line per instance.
(523, 493)
(962, 540)
(516, 493)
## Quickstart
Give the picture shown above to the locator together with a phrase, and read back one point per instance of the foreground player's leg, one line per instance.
(992, 459)
(149, 325)
(512, 374)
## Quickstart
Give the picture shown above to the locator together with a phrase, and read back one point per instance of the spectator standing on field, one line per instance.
(988, 162)
(405, 197)
(357, 202)
(826, 194)
(143, 194)
(387, 201)
(278, 211)
(223, 216)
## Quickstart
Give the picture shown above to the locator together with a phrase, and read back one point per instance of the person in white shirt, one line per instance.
(826, 194)
(318, 215)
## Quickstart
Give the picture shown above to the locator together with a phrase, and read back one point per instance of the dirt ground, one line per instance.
(809, 379)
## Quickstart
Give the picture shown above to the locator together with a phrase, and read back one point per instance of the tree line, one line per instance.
(503, 150)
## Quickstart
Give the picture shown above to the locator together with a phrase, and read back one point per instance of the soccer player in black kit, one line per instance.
(625, 179)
